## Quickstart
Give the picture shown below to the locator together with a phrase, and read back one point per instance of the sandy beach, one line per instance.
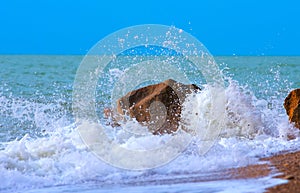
(286, 164)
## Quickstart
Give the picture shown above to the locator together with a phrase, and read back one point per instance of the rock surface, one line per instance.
(158, 106)
(292, 107)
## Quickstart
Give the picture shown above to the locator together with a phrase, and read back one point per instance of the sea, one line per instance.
(41, 149)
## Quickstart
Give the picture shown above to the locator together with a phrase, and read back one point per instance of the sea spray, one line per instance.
(52, 153)
(60, 157)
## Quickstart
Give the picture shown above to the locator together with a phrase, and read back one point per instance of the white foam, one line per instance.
(251, 130)
(225, 186)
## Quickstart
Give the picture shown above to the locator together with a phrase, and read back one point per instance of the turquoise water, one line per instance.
(40, 150)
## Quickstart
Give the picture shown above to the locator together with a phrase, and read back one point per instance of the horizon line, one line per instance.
(217, 55)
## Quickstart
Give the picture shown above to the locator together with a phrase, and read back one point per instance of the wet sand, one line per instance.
(285, 166)
(288, 164)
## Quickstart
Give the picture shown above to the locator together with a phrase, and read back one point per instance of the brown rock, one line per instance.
(292, 107)
(158, 106)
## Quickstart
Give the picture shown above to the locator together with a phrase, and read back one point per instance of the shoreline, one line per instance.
(289, 165)
(284, 165)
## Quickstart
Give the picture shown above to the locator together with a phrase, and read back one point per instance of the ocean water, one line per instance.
(41, 149)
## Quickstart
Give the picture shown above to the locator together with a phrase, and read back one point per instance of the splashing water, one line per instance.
(57, 156)
(40, 146)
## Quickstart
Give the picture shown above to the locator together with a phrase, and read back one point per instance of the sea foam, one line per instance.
(249, 130)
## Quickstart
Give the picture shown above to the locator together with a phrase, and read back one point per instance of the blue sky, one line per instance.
(241, 27)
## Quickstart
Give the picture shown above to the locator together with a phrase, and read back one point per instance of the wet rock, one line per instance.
(157, 106)
(292, 107)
